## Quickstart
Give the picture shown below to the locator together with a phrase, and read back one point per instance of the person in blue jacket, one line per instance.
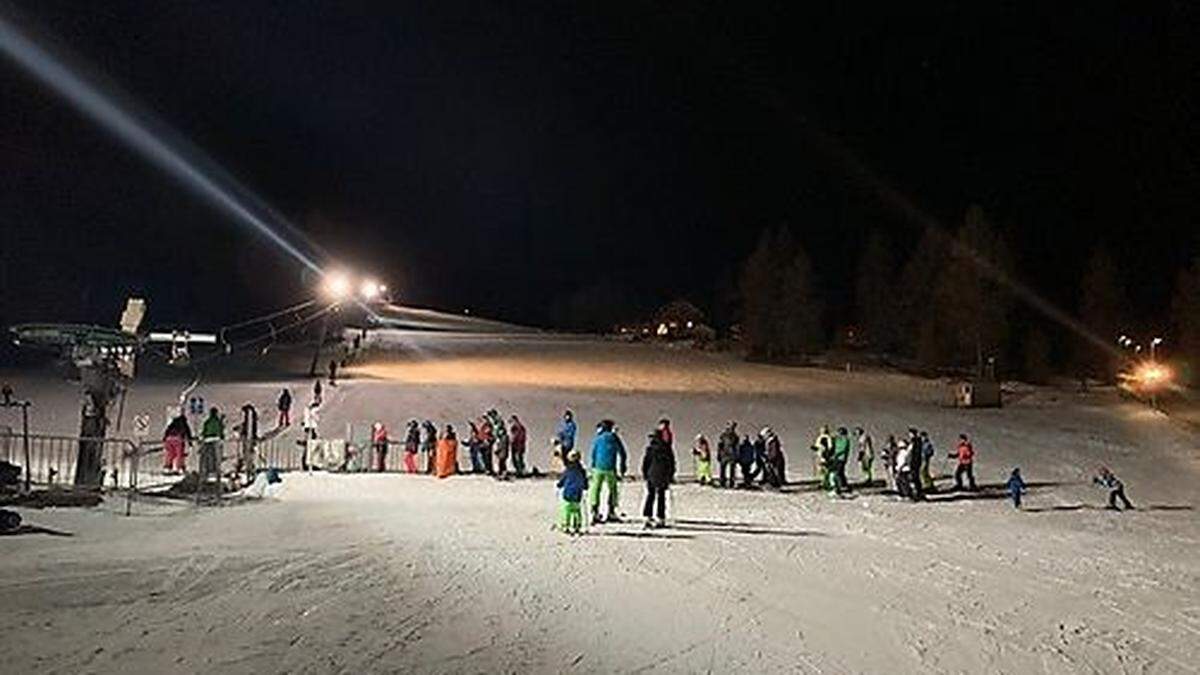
(1016, 486)
(608, 456)
(573, 483)
(566, 432)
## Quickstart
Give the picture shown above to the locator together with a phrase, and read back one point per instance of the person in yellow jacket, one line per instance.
(822, 448)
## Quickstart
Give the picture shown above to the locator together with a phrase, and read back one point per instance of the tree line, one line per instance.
(951, 305)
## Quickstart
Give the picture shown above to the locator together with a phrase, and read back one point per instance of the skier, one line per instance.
(658, 470)
(501, 442)
(904, 477)
(927, 453)
(702, 453)
(822, 448)
(429, 441)
(727, 449)
(516, 435)
(379, 441)
(774, 468)
(412, 444)
(566, 432)
(486, 439)
(311, 424)
(212, 435)
(1016, 486)
(475, 448)
(447, 453)
(966, 459)
(333, 372)
(573, 483)
(866, 454)
(608, 457)
(888, 454)
(1116, 489)
(664, 432)
(285, 408)
(316, 392)
(915, 457)
(175, 441)
(841, 455)
(747, 461)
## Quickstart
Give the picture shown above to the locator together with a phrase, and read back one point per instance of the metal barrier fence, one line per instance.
(52, 459)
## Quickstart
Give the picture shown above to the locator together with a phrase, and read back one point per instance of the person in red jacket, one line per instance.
(966, 460)
(516, 444)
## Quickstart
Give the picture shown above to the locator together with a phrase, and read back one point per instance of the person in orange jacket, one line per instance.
(965, 453)
(447, 453)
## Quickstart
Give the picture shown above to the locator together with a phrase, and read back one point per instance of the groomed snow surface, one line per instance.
(396, 573)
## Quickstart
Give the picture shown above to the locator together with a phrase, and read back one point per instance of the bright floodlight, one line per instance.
(336, 286)
(1153, 375)
(370, 290)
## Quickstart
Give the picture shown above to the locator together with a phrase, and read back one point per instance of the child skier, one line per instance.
(1116, 489)
(573, 484)
(1016, 486)
(703, 456)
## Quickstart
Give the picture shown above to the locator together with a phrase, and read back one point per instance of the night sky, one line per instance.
(502, 157)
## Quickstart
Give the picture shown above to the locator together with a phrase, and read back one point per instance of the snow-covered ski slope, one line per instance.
(392, 573)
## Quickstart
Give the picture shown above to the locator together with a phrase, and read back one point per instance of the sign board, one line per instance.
(141, 425)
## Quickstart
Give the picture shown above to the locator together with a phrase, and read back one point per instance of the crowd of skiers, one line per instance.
(758, 459)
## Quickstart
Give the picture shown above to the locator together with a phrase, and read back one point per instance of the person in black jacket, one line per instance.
(658, 468)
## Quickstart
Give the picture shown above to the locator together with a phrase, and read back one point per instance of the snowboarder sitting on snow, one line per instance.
(1116, 489)
(747, 459)
(658, 469)
(703, 456)
(608, 456)
(966, 460)
(866, 454)
(727, 449)
(1016, 486)
(573, 483)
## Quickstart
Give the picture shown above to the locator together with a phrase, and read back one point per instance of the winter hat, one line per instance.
(573, 455)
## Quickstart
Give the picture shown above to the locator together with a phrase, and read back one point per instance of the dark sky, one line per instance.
(504, 156)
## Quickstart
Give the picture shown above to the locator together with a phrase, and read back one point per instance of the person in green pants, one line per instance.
(573, 483)
(608, 455)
